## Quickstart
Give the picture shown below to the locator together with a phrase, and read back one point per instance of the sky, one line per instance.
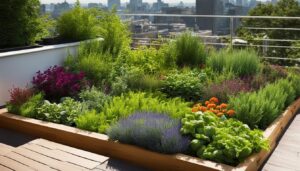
(105, 1)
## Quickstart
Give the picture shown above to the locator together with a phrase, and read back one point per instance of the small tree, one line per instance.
(20, 23)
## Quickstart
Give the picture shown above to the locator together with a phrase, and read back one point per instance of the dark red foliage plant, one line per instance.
(56, 82)
(19, 96)
(226, 89)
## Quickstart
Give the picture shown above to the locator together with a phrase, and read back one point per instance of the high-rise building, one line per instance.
(157, 6)
(205, 7)
(135, 5)
(112, 3)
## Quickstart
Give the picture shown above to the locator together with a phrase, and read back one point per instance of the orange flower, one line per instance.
(194, 109)
(214, 100)
(211, 106)
(216, 111)
(224, 111)
(220, 114)
(223, 105)
(230, 112)
(218, 107)
(202, 108)
(206, 103)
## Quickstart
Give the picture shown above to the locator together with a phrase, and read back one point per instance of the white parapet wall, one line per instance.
(17, 68)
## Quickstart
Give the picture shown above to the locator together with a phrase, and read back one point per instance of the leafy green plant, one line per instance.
(126, 104)
(21, 23)
(78, 24)
(29, 109)
(187, 85)
(228, 141)
(63, 113)
(89, 121)
(242, 62)
(93, 98)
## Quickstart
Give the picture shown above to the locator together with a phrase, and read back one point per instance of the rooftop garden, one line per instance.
(182, 97)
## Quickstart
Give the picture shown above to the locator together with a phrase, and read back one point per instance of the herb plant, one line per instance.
(228, 141)
(154, 131)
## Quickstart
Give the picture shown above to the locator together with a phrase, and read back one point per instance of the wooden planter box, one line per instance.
(99, 143)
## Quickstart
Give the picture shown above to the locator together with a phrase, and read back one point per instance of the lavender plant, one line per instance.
(154, 131)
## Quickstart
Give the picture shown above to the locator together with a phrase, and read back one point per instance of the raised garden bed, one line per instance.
(100, 144)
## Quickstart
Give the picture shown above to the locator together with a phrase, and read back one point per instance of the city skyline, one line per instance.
(122, 1)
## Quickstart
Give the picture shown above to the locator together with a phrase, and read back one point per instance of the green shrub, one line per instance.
(241, 62)
(295, 81)
(21, 23)
(229, 141)
(63, 113)
(260, 109)
(78, 24)
(114, 32)
(147, 59)
(93, 98)
(29, 109)
(187, 85)
(88, 121)
(189, 50)
(126, 104)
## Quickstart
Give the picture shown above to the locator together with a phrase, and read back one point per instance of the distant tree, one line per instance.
(20, 23)
(289, 8)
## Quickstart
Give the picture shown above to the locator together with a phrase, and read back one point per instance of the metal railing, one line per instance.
(227, 37)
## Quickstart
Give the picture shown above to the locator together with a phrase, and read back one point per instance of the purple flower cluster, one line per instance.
(154, 131)
(227, 88)
(56, 82)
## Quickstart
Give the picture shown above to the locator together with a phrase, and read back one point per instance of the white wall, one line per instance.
(17, 68)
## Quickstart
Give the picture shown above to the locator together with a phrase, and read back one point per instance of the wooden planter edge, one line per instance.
(99, 143)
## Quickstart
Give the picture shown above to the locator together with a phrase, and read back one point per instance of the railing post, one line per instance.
(231, 32)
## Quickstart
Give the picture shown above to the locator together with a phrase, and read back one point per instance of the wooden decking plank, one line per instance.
(62, 156)
(14, 165)
(29, 162)
(271, 167)
(71, 150)
(3, 168)
(5, 149)
(55, 164)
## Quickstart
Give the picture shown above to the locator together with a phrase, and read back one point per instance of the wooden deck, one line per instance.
(44, 155)
(286, 156)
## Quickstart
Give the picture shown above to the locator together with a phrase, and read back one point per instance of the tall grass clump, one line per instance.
(189, 50)
(78, 24)
(153, 131)
(243, 62)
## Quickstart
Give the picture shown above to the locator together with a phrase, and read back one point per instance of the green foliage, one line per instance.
(228, 141)
(147, 59)
(21, 23)
(114, 32)
(89, 121)
(94, 99)
(189, 50)
(289, 8)
(95, 64)
(295, 81)
(63, 113)
(187, 85)
(29, 109)
(78, 24)
(260, 109)
(126, 104)
(242, 63)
